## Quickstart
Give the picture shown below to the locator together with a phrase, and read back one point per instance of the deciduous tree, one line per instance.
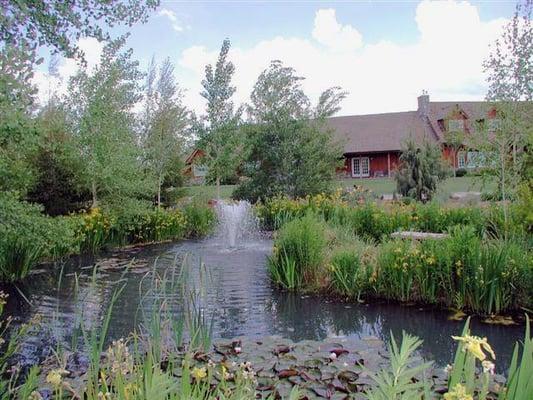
(165, 123)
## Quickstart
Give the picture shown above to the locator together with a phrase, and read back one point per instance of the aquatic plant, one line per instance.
(348, 276)
(299, 252)
(402, 380)
(28, 237)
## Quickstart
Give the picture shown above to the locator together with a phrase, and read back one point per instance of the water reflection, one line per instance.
(239, 298)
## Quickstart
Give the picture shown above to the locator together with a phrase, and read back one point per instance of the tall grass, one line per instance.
(464, 271)
(299, 252)
(28, 237)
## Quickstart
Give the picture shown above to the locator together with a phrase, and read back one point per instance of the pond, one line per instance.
(238, 297)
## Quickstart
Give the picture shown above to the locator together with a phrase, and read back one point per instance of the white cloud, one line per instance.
(177, 25)
(381, 77)
(48, 84)
(334, 35)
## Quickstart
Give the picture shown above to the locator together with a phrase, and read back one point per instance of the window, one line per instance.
(199, 170)
(461, 159)
(360, 167)
(476, 159)
(456, 125)
(356, 167)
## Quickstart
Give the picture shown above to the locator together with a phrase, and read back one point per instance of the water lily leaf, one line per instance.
(285, 373)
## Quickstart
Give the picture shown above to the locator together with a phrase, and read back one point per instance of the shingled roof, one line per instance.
(388, 131)
(379, 132)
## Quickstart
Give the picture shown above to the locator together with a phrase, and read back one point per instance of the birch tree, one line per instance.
(219, 129)
(165, 122)
(101, 104)
(507, 141)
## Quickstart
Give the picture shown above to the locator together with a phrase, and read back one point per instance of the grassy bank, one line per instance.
(28, 237)
(378, 186)
(324, 244)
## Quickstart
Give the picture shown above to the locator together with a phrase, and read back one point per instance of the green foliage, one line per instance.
(165, 123)
(200, 220)
(46, 23)
(290, 149)
(299, 252)
(18, 136)
(376, 221)
(401, 381)
(348, 276)
(471, 269)
(27, 237)
(101, 103)
(220, 136)
(519, 384)
(57, 165)
(420, 171)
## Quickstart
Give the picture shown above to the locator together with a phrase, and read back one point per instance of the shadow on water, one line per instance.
(239, 298)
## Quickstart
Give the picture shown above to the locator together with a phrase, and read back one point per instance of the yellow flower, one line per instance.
(458, 393)
(199, 373)
(54, 378)
(476, 346)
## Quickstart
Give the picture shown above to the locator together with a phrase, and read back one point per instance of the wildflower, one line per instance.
(448, 369)
(458, 393)
(488, 367)
(476, 346)
(332, 356)
(199, 373)
(238, 349)
(54, 378)
(210, 364)
(35, 395)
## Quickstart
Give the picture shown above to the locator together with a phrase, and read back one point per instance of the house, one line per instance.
(194, 171)
(372, 143)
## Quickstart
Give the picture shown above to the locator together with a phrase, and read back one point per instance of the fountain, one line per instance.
(236, 222)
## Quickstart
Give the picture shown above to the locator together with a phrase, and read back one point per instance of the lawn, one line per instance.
(385, 185)
(377, 185)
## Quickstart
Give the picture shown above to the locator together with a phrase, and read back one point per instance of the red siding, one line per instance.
(379, 163)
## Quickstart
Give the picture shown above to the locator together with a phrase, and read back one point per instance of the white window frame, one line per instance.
(461, 162)
(359, 162)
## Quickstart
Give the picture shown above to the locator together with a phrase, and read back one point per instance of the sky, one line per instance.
(383, 53)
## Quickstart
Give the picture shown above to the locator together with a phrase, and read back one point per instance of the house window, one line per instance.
(456, 125)
(476, 159)
(360, 167)
(461, 159)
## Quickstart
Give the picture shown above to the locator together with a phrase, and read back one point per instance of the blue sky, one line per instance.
(383, 52)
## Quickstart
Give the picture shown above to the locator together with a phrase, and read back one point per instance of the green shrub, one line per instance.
(396, 269)
(200, 220)
(27, 236)
(302, 241)
(348, 276)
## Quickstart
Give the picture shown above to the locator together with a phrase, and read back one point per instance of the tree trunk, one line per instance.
(218, 187)
(159, 194)
(94, 194)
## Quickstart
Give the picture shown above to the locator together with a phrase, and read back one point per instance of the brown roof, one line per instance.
(388, 131)
(379, 132)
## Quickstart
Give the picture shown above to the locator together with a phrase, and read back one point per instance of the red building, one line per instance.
(372, 143)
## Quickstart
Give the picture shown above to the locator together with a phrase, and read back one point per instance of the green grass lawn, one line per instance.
(377, 185)
(385, 185)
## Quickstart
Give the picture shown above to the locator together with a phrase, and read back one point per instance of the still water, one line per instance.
(239, 299)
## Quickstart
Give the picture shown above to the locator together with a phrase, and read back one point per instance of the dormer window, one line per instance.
(456, 125)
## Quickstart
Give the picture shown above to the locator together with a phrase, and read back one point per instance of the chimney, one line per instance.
(423, 104)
